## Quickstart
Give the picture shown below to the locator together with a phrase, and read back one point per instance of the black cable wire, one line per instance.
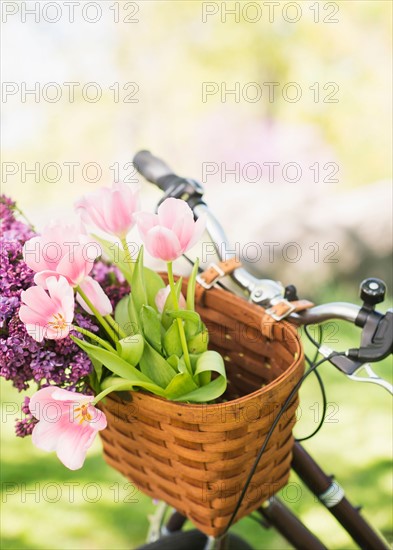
(272, 428)
(320, 381)
(316, 344)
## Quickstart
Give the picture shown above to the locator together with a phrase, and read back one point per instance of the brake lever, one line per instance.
(371, 377)
(351, 368)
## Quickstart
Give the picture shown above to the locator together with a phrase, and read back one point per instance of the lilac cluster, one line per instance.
(22, 359)
(25, 425)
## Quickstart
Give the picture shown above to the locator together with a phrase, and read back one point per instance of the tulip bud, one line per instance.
(131, 348)
(199, 342)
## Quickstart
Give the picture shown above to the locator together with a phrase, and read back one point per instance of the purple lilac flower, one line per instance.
(26, 424)
(23, 360)
(6, 212)
(7, 307)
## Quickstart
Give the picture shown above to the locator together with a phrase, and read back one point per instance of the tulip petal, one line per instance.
(184, 229)
(199, 228)
(63, 425)
(29, 316)
(172, 210)
(62, 294)
(96, 295)
(35, 331)
(32, 255)
(75, 265)
(51, 395)
(41, 277)
(38, 300)
(48, 315)
(73, 445)
(59, 394)
(161, 298)
(40, 399)
(112, 210)
(45, 435)
(146, 221)
(162, 243)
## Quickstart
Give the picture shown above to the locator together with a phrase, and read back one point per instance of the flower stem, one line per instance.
(120, 385)
(98, 315)
(116, 327)
(128, 256)
(93, 337)
(21, 213)
(179, 321)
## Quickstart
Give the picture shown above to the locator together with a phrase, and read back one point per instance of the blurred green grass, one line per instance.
(45, 506)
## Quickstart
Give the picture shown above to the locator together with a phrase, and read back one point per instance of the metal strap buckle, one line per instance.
(290, 308)
(218, 270)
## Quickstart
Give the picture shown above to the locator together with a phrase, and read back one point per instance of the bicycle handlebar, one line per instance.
(377, 339)
(152, 168)
(157, 171)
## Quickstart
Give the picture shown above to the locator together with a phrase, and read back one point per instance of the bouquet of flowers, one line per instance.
(81, 327)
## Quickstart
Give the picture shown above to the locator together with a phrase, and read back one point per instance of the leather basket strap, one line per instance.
(271, 317)
(212, 274)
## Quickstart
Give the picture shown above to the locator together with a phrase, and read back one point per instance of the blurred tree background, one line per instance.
(170, 53)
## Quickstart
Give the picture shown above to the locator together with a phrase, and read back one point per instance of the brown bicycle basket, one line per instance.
(197, 457)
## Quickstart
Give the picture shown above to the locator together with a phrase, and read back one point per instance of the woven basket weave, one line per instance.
(197, 457)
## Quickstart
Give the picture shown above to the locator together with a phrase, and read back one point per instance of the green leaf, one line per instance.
(133, 316)
(131, 348)
(154, 283)
(174, 362)
(138, 289)
(97, 368)
(210, 361)
(118, 366)
(122, 316)
(114, 252)
(181, 384)
(191, 287)
(155, 367)
(116, 384)
(166, 320)
(151, 327)
(172, 342)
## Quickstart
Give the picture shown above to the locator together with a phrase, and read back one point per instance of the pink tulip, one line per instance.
(111, 210)
(162, 296)
(62, 250)
(96, 295)
(68, 424)
(48, 314)
(172, 231)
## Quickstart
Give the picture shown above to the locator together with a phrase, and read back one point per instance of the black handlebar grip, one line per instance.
(151, 168)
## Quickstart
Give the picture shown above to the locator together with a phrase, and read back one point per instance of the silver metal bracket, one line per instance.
(156, 521)
(371, 377)
(325, 351)
(263, 292)
(215, 543)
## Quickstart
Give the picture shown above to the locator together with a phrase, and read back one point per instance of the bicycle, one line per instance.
(282, 303)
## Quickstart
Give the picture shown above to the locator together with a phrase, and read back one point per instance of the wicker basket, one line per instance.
(197, 457)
